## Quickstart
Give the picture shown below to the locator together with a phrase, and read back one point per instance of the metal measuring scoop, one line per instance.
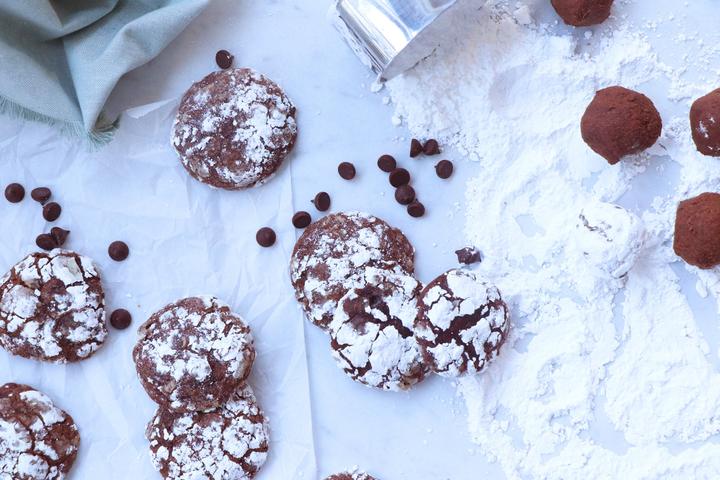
(391, 36)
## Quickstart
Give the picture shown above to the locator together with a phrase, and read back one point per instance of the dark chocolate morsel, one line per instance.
(346, 170)
(60, 235)
(120, 319)
(224, 59)
(431, 147)
(46, 241)
(387, 163)
(322, 201)
(51, 211)
(416, 147)
(14, 193)
(416, 209)
(444, 169)
(41, 194)
(399, 176)
(118, 251)
(405, 194)
(301, 219)
(265, 237)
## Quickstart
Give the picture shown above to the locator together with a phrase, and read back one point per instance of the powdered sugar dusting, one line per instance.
(372, 331)
(52, 307)
(228, 443)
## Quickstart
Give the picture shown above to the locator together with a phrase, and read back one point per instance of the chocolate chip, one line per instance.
(431, 147)
(416, 147)
(265, 237)
(52, 211)
(46, 241)
(41, 194)
(399, 176)
(301, 219)
(346, 170)
(416, 209)
(224, 59)
(405, 194)
(60, 235)
(118, 251)
(120, 319)
(322, 201)
(387, 163)
(444, 169)
(468, 255)
(14, 193)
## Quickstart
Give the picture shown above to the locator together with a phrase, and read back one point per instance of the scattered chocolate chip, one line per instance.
(118, 251)
(14, 193)
(60, 235)
(431, 147)
(416, 147)
(468, 255)
(346, 170)
(41, 194)
(301, 219)
(224, 59)
(399, 177)
(120, 319)
(265, 237)
(52, 211)
(322, 201)
(46, 241)
(444, 169)
(405, 194)
(387, 163)
(416, 209)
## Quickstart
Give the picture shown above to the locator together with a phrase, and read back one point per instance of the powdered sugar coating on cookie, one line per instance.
(229, 443)
(234, 128)
(193, 354)
(38, 441)
(330, 256)
(52, 307)
(354, 474)
(463, 323)
(372, 331)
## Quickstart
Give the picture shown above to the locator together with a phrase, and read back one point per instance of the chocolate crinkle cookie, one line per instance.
(620, 122)
(372, 335)
(234, 128)
(351, 475)
(193, 354)
(228, 443)
(38, 441)
(462, 324)
(330, 257)
(52, 308)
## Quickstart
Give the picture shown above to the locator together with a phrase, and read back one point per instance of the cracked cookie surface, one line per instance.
(52, 307)
(463, 322)
(351, 475)
(329, 259)
(193, 354)
(234, 128)
(372, 332)
(38, 441)
(229, 443)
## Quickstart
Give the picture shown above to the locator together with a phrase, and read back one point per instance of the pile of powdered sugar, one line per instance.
(607, 374)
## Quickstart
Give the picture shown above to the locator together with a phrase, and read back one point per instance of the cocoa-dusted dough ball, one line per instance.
(705, 123)
(620, 122)
(583, 13)
(697, 230)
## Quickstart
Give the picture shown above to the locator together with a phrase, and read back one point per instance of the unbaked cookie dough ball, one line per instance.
(230, 442)
(583, 13)
(38, 441)
(351, 475)
(697, 230)
(331, 255)
(193, 354)
(610, 237)
(372, 332)
(705, 123)
(52, 308)
(620, 122)
(234, 128)
(462, 324)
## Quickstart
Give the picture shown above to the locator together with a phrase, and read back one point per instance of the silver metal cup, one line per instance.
(391, 36)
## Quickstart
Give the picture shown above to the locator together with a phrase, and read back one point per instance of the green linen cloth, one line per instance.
(60, 59)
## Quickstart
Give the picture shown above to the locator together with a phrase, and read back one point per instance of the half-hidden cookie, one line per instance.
(38, 441)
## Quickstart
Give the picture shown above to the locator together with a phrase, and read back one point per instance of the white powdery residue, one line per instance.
(568, 371)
